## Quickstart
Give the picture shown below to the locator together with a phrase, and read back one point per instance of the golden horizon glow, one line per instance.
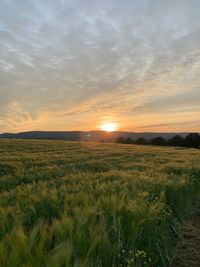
(109, 127)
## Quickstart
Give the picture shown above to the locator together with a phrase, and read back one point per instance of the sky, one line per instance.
(75, 65)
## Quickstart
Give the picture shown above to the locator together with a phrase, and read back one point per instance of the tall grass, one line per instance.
(93, 205)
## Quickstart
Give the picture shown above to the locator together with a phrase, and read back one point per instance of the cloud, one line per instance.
(179, 102)
(92, 59)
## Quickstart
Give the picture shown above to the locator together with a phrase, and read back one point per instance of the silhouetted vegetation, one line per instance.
(120, 140)
(177, 140)
(141, 141)
(158, 141)
(191, 140)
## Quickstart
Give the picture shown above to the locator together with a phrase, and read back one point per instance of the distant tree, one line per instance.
(120, 140)
(128, 140)
(141, 141)
(158, 141)
(192, 140)
(177, 140)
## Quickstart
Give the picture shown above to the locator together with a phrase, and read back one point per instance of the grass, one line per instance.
(67, 204)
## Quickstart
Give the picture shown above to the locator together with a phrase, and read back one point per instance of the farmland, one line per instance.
(73, 204)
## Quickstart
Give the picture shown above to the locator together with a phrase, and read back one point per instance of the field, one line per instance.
(93, 204)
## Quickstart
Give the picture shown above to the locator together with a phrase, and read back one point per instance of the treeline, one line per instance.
(191, 140)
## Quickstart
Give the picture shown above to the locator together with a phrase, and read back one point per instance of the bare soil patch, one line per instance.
(188, 250)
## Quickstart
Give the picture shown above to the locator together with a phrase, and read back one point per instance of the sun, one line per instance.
(109, 127)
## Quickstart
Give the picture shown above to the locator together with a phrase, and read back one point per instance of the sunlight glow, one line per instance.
(109, 127)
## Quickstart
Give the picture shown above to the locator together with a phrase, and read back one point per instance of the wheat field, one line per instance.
(73, 204)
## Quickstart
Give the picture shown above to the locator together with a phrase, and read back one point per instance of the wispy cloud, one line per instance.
(82, 61)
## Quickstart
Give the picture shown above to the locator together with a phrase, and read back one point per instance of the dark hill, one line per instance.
(86, 135)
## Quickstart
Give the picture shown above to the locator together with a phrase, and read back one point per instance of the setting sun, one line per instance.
(109, 127)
